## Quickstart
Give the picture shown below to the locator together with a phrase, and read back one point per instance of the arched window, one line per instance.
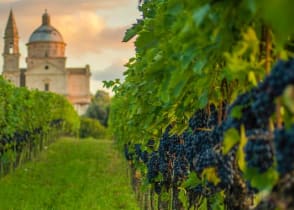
(10, 48)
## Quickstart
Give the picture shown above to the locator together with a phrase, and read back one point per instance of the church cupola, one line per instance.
(46, 32)
(46, 45)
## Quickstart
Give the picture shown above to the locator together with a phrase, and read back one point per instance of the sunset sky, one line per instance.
(92, 30)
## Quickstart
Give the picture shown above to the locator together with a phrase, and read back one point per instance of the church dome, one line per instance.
(46, 32)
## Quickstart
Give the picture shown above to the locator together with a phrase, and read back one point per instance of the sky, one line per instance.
(92, 29)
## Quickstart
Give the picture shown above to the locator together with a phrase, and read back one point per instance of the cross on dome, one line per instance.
(46, 18)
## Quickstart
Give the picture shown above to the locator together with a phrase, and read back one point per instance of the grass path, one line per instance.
(70, 175)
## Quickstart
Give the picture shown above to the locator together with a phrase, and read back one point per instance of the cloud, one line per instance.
(29, 7)
(83, 28)
(111, 72)
(98, 85)
(86, 32)
(8, 1)
(80, 30)
(114, 71)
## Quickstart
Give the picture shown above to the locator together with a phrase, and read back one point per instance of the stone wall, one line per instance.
(13, 77)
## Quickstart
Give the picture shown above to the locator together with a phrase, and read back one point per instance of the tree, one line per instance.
(99, 107)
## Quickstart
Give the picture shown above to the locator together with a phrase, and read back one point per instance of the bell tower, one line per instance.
(11, 53)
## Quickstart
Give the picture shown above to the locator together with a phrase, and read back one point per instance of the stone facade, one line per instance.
(46, 64)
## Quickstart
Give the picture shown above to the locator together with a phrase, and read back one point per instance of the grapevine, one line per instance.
(28, 122)
(201, 86)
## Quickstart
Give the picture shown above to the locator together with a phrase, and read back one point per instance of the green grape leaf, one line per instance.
(262, 181)
(288, 98)
(236, 112)
(217, 201)
(252, 78)
(199, 65)
(146, 40)
(203, 204)
(279, 14)
(241, 153)
(210, 175)
(133, 31)
(176, 9)
(200, 14)
(165, 196)
(203, 100)
(231, 138)
(183, 197)
(192, 180)
(251, 4)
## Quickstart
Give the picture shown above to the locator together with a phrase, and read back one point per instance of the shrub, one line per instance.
(91, 128)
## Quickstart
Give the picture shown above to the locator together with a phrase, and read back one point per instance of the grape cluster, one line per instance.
(281, 76)
(145, 156)
(259, 152)
(127, 153)
(216, 136)
(202, 119)
(21, 138)
(56, 122)
(195, 146)
(135, 152)
(181, 164)
(169, 161)
(207, 158)
(153, 167)
(189, 146)
(173, 164)
(262, 108)
(257, 105)
(180, 168)
(201, 190)
(249, 117)
(141, 154)
(226, 170)
(164, 154)
(138, 151)
(284, 144)
(198, 120)
(200, 146)
(18, 140)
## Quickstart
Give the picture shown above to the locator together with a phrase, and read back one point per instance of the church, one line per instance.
(46, 64)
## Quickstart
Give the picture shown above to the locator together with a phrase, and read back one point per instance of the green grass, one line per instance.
(70, 175)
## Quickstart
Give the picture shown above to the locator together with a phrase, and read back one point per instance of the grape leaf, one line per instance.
(231, 138)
